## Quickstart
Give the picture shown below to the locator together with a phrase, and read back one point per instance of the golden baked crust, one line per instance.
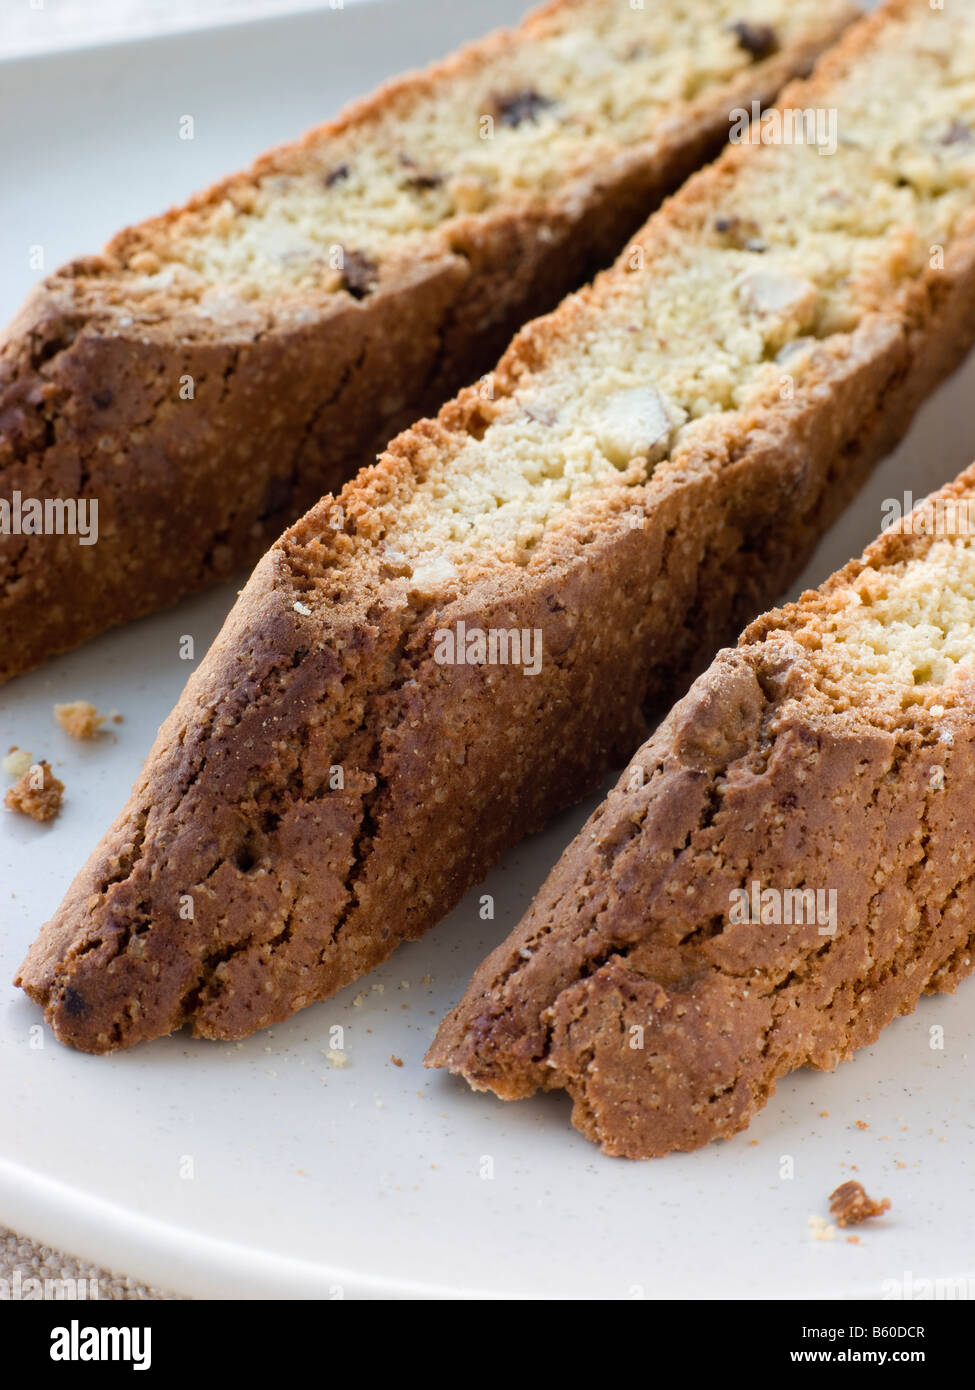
(217, 369)
(326, 786)
(831, 752)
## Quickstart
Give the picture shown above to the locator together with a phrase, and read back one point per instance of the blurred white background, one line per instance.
(40, 26)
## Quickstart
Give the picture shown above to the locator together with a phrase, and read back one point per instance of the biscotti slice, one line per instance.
(784, 868)
(205, 380)
(423, 670)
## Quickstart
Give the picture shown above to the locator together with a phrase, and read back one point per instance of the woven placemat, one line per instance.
(22, 1259)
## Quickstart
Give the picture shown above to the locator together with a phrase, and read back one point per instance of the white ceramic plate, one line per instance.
(258, 1168)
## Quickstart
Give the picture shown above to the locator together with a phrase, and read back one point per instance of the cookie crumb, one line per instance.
(850, 1205)
(37, 793)
(337, 1057)
(79, 719)
(396, 1061)
(16, 762)
(820, 1229)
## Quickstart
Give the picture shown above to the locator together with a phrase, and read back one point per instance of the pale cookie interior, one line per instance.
(900, 629)
(736, 290)
(583, 86)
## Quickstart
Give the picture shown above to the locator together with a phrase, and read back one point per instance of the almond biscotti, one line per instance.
(782, 870)
(424, 669)
(216, 370)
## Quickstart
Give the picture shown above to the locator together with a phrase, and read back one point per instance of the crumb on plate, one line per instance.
(79, 719)
(36, 793)
(820, 1229)
(850, 1205)
(16, 762)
